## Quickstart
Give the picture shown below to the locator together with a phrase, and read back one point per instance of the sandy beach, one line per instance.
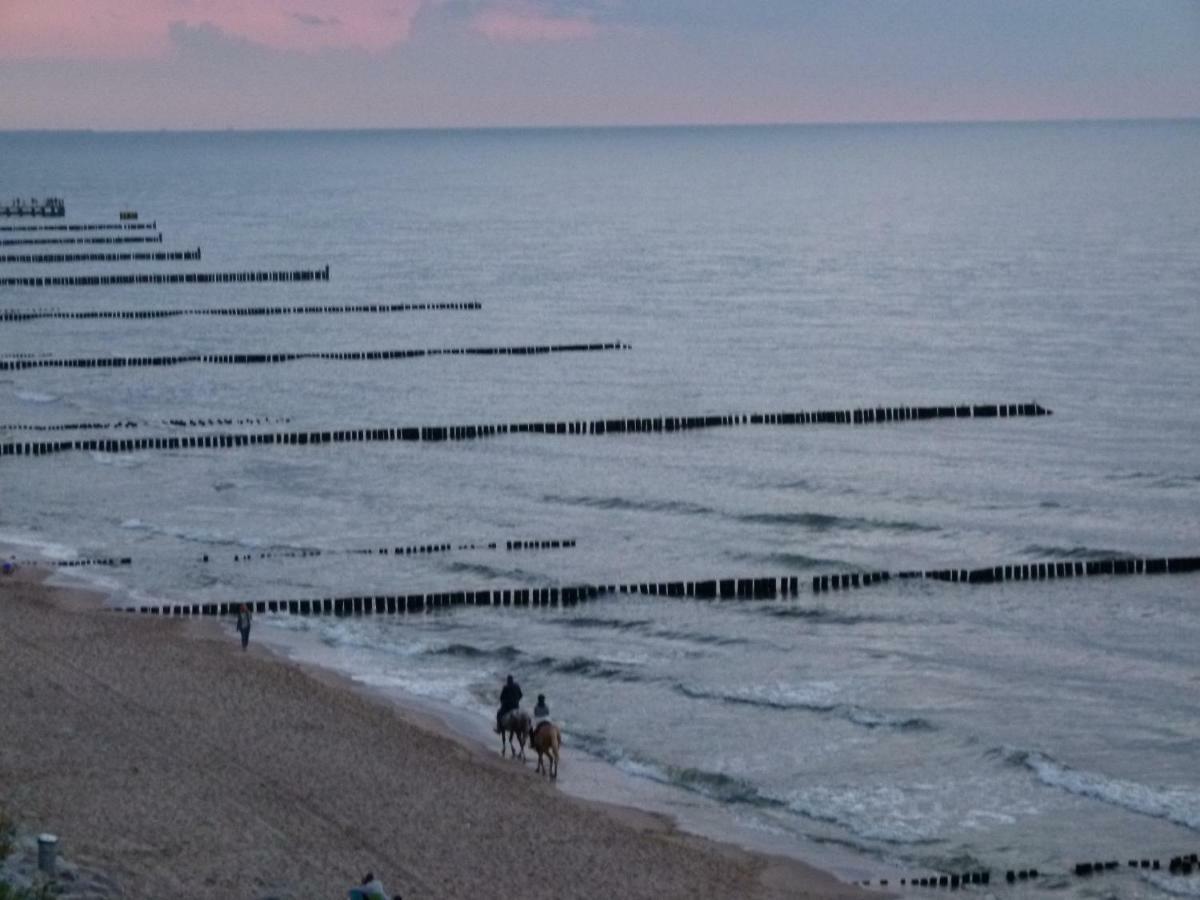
(163, 754)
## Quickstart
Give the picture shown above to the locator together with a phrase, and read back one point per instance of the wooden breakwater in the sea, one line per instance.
(106, 239)
(768, 587)
(440, 433)
(166, 278)
(241, 359)
(28, 315)
(150, 256)
(427, 549)
(106, 226)
(173, 423)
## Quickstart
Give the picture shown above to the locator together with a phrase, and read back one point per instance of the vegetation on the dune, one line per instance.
(8, 836)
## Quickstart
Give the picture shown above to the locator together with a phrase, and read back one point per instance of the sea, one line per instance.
(907, 729)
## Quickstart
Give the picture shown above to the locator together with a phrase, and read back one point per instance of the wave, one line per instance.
(796, 561)
(36, 397)
(597, 622)
(1042, 551)
(821, 616)
(698, 637)
(681, 507)
(469, 651)
(200, 536)
(585, 667)
(714, 785)
(889, 822)
(790, 700)
(1180, 805)
(828, 522)
(1170, 884)
(885, 815)
(483, 570)
(647, 627)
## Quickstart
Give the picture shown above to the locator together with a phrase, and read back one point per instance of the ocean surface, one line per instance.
(908, 729)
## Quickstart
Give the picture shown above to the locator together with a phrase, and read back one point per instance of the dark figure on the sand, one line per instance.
(243, 624)
(510, 699)
(370, 889)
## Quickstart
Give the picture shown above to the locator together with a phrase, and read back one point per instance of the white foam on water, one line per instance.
(35, 397)
(1180, 804)
(1175, 885)
(46, 549)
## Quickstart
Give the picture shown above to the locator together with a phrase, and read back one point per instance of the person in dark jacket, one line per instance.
(243, 624)
(510, 699)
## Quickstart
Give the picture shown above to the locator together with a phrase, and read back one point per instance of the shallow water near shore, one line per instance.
(904, 729)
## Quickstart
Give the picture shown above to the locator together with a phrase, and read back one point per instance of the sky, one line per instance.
(214, 64)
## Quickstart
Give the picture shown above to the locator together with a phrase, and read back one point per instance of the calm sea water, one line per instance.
(900, 730)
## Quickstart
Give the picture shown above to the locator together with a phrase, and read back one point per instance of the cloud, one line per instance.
(140, 29)
(525, 23)
(315, 21)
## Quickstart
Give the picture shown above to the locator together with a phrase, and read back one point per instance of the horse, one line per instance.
(514, 724)
(546, 740)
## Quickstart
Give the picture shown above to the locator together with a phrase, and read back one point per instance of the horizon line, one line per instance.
(629, 126)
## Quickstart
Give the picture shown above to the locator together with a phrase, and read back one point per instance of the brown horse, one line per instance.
(514, 724)
(546, 740)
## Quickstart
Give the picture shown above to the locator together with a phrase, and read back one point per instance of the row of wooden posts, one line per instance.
(1179, 865)
(28, 315)
(174, 423)
(437, 433)
(235, 359)
(165, 278)
(108, 226)
(1016, 572)
(409, 550)
(761, 588)
(155, 256)
(106, 239)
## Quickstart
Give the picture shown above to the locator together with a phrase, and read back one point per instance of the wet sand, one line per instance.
(163, 754)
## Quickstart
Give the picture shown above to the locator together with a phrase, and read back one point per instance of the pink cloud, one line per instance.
(524, 23)
(126, 29)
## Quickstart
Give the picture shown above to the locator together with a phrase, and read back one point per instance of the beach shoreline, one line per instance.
(300, 835)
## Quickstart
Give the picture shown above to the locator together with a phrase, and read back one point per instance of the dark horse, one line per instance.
(514, 724)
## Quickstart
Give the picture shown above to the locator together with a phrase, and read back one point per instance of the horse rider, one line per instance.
(510, 699)
(541, 713)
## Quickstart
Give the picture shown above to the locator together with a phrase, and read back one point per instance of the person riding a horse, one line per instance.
(510, 699)
(541, 713)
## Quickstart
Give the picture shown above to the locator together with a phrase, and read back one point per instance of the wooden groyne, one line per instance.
(51, 207)
(156, 256)
(166, 278)
(1182, 866)
(737, 588)
(240, 359)
(509, 546)
(107, 226)
(74, 563)
(174, 423)
(21, 315)
(439, 433)
(1036, 571)
(123, 239)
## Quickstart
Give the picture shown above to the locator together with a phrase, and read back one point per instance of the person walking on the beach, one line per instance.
(243, 624)
(510, 699)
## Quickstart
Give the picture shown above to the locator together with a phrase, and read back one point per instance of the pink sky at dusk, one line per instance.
(133, 29)
(133, 64)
